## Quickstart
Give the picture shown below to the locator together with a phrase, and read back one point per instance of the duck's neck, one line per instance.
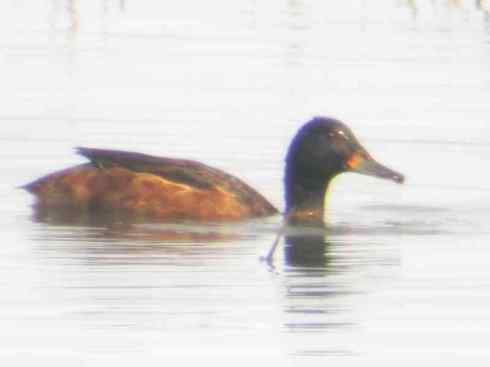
(305, 199)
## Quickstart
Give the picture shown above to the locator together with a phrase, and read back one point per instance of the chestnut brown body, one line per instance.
(149, 187)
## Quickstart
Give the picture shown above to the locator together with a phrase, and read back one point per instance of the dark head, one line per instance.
(323, 148)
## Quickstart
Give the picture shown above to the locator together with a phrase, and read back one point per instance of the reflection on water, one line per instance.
(308, 251)
(165, 277)
(482, 5)
(106, 235)
(299, 13)
(311, 291)
(70, 11)
(200, 279)
(322, 281)
(401, 274)
(73, 8)
(65, 11)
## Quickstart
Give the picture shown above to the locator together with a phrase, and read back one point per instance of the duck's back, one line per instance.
(148, 186)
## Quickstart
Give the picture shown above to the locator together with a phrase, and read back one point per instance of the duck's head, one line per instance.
(323, 148)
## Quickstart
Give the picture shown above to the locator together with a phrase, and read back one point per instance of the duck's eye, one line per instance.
(342, 134)
(338, 133)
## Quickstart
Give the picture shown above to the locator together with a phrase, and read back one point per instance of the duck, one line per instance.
(168, 189)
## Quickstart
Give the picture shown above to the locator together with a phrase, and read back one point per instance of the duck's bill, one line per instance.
(364, 164)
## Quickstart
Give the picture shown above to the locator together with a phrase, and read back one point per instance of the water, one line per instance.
(402, 274)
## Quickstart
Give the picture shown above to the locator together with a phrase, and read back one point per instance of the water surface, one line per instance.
(401, 276)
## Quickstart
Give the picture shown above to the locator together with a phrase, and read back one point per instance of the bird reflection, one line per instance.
(110, 226)
(316, 293)
(305, 247)
(307, 250)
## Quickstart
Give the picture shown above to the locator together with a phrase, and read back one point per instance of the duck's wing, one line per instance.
(188, 172)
